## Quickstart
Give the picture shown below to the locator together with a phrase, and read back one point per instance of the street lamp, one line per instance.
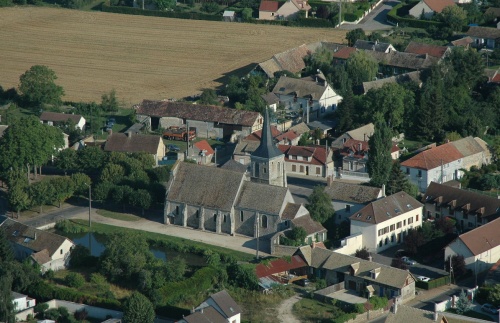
(90, 202)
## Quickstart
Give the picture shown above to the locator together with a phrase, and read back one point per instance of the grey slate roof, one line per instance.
(59, 117)
(327, 259)
(308, 224)
(469, 146)
(362, 133)
(483, 32)
(267, 147)
(226, 303)
(302, 88)
(371, 45)
(234, 166)
(300, 128)
(386, 208)
(457, 198)
(350, 192)
(265, 198)
(404, 60)
(290, 211)
(208, 315)
(270, 98)
(205, 186)
(246, 147)
(132, 143)
(23, 235)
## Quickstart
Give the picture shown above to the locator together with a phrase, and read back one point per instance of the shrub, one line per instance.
(74, 280)
(344, 317)
(67, 226)
(320, 284)
(378, 302)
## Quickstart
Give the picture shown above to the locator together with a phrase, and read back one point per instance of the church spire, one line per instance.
(267, 148)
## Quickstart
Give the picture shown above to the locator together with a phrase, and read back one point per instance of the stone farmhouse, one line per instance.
(429, 49)
(231, 202)
(480, 247)
(470, 209)
(49, 250)
(382, 223)
(136, 143)
(445, 163)
(365, 277)
(349, 198)
(312, 96)
(54, 119)
(209, 121)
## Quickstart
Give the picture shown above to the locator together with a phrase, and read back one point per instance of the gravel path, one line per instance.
(285, 314)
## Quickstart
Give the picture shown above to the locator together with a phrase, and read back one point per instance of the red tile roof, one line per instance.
(318, 154)
(434, 157)
(204, 145)
(344, 53)
(358, 147)
(439, 5)
(290, 135)
(255, 136)
(279, 266)
(271, 6)
(496, 78)
(420, 49)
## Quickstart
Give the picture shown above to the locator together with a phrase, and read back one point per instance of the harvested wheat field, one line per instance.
(140, 57)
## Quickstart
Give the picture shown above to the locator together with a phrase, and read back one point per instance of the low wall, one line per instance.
(93, 311)
(350, 244)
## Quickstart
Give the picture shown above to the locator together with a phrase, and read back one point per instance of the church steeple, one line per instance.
(267, 161)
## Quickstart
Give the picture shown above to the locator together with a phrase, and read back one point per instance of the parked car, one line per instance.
(173, 147)
(489, 308)
(423, 278)
(111, 121)
(302, 282)
(409, 261)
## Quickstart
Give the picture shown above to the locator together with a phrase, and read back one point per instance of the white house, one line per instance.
(349, 198)
(49, 250)
(427, 8)
(54, 118)
(385, 222)
(480, 247)
(312, 96)
(219, 307)
(445, 163)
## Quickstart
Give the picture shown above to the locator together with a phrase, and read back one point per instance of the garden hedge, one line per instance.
(393, 17)
(157, 13)
(433, 283)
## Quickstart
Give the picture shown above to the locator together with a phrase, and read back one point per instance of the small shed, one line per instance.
(229, 16)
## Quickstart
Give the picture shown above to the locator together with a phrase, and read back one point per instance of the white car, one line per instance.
(423, 278)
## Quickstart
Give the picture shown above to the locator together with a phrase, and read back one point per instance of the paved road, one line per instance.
(375, 20)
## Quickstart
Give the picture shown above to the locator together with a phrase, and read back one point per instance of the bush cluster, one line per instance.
(156, 13)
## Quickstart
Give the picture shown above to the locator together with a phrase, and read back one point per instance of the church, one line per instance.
(253, 202)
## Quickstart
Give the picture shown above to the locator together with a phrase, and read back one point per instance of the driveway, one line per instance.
(285, 310)
(375, 20)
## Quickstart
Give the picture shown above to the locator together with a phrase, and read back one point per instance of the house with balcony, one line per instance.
(385, 222)
(49, 250)
(349, 198)
(366, 278)
(445, 162)
(312, 96)
(468, 208)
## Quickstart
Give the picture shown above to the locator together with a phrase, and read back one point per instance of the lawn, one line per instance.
(118, 216)
(310, 310)
(140, 57)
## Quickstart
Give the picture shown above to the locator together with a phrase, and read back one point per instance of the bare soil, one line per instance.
(141, 57)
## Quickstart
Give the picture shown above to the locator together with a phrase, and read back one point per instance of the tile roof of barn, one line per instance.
(432, 50)
(299, 87)
(199, 112)
(59, 117)
(132, 143)
(484, 32)
(279, 265)
(386, 208)
(404, 60)
(234, 166)
(271, 6)
(439, 5)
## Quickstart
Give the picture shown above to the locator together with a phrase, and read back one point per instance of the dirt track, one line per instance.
(141, 57)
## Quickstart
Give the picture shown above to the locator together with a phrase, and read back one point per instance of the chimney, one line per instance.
(435, 313)
(383, 190)
(128, 134)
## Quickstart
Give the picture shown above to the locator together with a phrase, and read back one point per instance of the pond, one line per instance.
(97, 242)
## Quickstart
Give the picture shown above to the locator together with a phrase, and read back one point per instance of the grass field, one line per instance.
(141, 57)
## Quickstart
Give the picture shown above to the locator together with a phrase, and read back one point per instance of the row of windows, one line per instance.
(398, 225)
(301, 169)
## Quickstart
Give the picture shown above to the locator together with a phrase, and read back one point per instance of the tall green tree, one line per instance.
(379, 158)
(6, 305)
(463, 303)
(18, 196)
(64, 188)
(361, 67)
(432, 108)
(455, 17)
(66, 160)
(320, 205)
(467, 68)
(138, 309)
(208, 96)
(398, 181)
(42, 193)
(109, 102)
(345, 111)
(355, 34)
(38, 87)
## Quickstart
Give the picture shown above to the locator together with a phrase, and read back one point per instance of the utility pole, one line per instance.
(258, 238)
